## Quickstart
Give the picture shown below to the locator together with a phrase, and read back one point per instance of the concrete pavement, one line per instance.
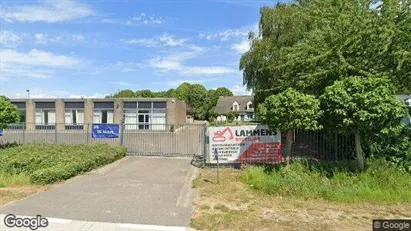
(134, 190)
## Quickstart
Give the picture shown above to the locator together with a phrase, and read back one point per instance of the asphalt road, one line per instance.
(137, 190)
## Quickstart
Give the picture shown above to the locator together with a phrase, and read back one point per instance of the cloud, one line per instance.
(121, 83)
(12, 71)
(38, 93)
(241, 47)
(38, 58)
(47, 11)
(9, 39)
(240, 90)
(42, 38)
(146, 19)
(164, 40)
(227, 34)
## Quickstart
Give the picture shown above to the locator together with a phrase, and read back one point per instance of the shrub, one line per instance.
(48, 163)
(393, 145)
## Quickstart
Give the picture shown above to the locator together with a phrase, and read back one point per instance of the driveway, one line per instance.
(137, 190)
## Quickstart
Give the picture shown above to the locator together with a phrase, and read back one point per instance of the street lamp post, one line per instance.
(28, 94)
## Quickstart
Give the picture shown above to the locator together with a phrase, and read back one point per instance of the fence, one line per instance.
(322, 145)
(139, 139)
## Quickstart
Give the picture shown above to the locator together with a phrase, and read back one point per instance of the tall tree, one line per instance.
(310, 44)
(198, 100)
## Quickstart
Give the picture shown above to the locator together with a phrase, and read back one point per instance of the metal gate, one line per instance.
(165, 140)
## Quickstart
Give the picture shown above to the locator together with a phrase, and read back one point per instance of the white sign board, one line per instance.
(238, 144)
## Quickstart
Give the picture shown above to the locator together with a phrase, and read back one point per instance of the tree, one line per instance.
(198, 100)
(232, 115)
(144, 94)
(213, 96)
(310, 44)
(182, 91)
(8, 112)
(127, 93)
(290, 110)
(362, 106)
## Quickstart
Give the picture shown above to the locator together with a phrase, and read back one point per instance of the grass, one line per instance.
(7, 180)
(235, 205)
(381, 182)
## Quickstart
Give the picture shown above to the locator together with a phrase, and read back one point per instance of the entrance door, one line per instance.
(143, 121)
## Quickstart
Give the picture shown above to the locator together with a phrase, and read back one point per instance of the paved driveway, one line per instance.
(138, 190)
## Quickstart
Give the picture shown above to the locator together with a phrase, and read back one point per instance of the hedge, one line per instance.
(49, 163)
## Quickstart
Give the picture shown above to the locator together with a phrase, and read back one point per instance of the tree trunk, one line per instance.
(358, 151)
(288, 145)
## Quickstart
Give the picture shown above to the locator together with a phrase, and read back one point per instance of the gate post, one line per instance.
(122, 134)
(205, 143)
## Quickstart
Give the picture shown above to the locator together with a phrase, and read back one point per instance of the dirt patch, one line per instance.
(233, 205)
(10, 194)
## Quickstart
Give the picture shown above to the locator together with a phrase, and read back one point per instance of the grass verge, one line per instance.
(381, 182)
(236, 205)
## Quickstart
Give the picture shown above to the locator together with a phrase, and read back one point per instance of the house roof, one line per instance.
(225, 103)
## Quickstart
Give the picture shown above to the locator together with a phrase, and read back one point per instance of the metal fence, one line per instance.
(322, 145)
(139, 139)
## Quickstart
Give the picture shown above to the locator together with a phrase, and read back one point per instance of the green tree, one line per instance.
(182, 91)
(290, 110)
(8, 112)
(127, 93)
(144, 94)
(213, 96)
(232, 115)
(198, 100)
(310, 44)
(362, 106)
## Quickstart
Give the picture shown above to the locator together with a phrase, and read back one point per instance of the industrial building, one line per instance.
(73, 114)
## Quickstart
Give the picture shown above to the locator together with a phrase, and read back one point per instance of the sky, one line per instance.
(95, 48)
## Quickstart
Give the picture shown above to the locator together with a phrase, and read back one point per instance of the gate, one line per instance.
(165, 140)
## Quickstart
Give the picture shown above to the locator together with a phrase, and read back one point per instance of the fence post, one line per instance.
(88, 133)
(122, 134)
(55, 134)
(205, 143)
(24, 133)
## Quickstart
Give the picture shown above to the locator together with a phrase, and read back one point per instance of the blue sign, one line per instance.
(102, 131)
(1, 132)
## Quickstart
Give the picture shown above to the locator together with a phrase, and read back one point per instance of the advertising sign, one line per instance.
(103, 131)
(238, 144)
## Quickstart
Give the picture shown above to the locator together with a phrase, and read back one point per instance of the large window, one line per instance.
(103, 112)
(145, 115)
(74, 115)
(45, 115)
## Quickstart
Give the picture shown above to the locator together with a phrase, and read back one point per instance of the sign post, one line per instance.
(218, 167)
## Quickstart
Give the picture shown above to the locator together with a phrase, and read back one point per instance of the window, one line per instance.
(74, 115)
(103, 116)
(74, 118)
(235, 106)
(250, 115)
(145, 115)
(45, 115)
(249, 106)
(103, 112)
